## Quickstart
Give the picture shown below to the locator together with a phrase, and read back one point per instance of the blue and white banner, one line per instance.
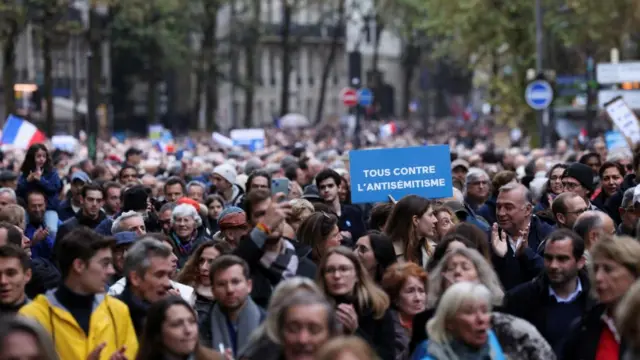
(380, 173)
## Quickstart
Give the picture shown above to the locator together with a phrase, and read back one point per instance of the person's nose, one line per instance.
(304, 337)
(110, 270)
(4, 280)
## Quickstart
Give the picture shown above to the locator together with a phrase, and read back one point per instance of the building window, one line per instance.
(258, 114)
(311, 66)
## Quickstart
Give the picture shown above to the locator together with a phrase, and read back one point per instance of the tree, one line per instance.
(288, 8)
(207, 73)
(337, 28)
(250, 41)
(157, 32)
(12, 15)
(53, 27)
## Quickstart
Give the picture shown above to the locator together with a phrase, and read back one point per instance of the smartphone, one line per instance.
(280, 185)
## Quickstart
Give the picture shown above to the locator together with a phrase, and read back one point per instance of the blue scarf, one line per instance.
(185, 248)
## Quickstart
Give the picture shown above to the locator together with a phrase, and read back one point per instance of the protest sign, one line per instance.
(380, 174)
(252, 139)
(624, 119)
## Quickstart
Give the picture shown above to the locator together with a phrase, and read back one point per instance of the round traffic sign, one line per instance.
(539, 94)
(349, 97)
(365, 97)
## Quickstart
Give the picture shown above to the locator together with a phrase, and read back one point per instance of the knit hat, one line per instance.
(582, 173)
(189, 201)
(232, 217)
(227, 172)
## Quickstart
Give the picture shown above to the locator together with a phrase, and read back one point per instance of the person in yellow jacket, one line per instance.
(84, 322)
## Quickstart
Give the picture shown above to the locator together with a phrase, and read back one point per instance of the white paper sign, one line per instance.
(624, 118)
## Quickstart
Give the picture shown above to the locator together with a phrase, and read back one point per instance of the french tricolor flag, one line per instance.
(19, 133)
(388, 130)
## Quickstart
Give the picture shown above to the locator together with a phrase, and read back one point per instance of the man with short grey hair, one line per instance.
(148, 269)
(628, 214)
(477, 188)
(592, 226)
(7, 197)
(129, 221)
(196, 190)
(517, 236)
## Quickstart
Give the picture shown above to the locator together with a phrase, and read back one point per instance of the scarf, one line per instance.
(185, 247)
(460, 350)
(249, 319)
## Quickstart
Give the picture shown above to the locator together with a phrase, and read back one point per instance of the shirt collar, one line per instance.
(572, 297)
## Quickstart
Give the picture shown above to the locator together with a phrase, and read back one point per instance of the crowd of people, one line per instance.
(534, 256)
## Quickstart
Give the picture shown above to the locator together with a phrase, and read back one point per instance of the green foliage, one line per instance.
(50, 19)
(155, 30)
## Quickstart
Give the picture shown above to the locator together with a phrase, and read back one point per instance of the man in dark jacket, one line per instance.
(350, 218)
(271, 257)
(148, 270)
(559, 296)
(90, 214)
(515, 258)
(69, 207)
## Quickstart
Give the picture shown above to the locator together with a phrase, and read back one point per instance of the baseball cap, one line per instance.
(81, 176)
(125, 238)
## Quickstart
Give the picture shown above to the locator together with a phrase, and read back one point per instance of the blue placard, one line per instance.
(365, 97)
(539, 95)
(380, 173)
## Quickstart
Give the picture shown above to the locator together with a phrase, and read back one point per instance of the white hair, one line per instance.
(185, 210)
(452, 300)
(10, 191)
(115, 228)
(619, 155)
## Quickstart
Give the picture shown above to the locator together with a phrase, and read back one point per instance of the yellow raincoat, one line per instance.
(110, 323)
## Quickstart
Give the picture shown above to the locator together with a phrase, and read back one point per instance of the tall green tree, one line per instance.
(53, 27)
(157, 32)
(12, 16)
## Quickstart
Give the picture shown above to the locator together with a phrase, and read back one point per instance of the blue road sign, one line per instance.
(539, 95)
(365, 97)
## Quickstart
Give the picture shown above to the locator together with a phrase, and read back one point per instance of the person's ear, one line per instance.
(135, 279)
(78, 266)
(582, 261)
(561, 219)
(415, 220)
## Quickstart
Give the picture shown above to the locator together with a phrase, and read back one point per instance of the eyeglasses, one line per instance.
(479, 183)
(570, 186)
(343, 269)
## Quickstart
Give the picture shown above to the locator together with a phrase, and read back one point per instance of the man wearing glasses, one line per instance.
(578, 179)
(629, 212)
(566, 208)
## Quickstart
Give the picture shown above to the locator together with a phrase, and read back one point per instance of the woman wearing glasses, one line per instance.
(361, 306)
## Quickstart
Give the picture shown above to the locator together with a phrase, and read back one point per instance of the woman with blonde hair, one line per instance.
(264, 340)
(300, 210)
(346, 348)
(461, 326)
(361, 306)
(23, 338)
(518, 338)
(614, 268)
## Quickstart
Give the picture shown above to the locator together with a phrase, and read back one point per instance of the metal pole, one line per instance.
(542, 116)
